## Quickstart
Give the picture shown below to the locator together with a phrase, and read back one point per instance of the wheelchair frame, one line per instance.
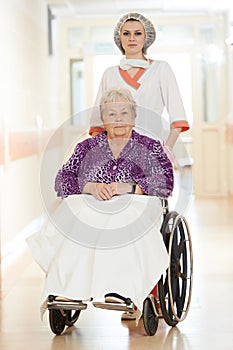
(174, 287)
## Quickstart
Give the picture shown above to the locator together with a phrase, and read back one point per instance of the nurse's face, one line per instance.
(133, 37)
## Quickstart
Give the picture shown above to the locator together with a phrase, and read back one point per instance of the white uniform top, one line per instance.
(153, 89)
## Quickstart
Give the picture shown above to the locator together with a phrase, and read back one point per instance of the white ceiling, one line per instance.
(81, 8)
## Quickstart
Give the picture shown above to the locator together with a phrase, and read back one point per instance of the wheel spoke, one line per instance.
(175, 245)
(178, 300)
(180, 248)
(174, 295)
(183, 276)
(165, 286)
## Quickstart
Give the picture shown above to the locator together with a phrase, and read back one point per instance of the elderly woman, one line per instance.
(118, 160)
(101, 230)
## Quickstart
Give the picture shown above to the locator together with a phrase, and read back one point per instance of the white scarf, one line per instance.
(127, 63)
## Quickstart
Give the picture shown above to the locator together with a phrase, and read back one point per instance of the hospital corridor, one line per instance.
(53, 56)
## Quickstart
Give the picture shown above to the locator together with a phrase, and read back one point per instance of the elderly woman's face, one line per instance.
(132, 37)
(118, 119)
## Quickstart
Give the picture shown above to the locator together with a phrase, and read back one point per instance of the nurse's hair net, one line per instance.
(148, 27)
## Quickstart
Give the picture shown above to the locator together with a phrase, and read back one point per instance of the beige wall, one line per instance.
(28, 94)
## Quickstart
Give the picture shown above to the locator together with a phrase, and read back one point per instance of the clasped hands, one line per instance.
(102, 191)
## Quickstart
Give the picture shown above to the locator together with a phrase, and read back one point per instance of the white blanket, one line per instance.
(89, 248)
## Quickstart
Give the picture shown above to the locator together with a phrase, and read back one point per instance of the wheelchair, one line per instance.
(174, 287)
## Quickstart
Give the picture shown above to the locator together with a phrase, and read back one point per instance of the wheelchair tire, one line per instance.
(57, 321)
(150, 320)
(176, 286)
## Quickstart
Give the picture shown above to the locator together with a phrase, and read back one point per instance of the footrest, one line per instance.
(66, 305)
(114, 306)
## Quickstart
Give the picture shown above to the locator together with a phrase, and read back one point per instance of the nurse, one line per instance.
(151, 82)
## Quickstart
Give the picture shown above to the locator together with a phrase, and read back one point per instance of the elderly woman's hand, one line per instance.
(121, 188)
(104, 191)
(100, 191)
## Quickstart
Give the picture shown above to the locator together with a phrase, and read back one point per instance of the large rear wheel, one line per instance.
(175, 287)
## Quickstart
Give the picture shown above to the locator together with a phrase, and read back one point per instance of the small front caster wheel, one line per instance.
(150, 319)
(57, 321)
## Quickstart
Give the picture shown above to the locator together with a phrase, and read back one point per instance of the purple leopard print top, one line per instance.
(142, 161)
